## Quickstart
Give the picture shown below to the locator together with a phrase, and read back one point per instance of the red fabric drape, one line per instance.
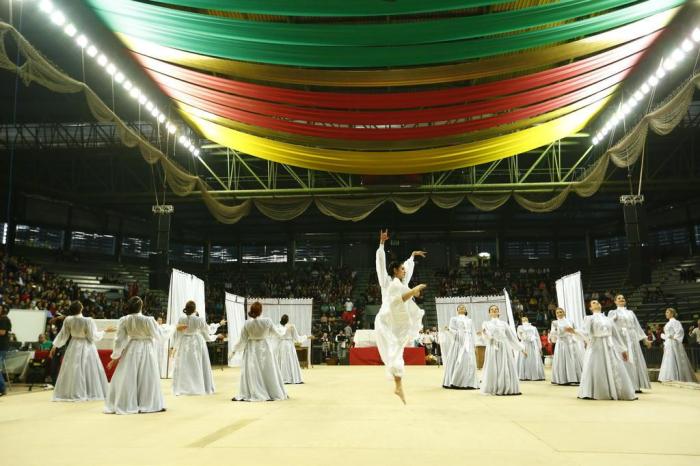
(216, 102)
(588, 94)
(397, 100)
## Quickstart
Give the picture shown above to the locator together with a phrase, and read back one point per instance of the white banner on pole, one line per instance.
(183, 287)
(299, 311)
(570, 298)
(477, 307)
(235, 318)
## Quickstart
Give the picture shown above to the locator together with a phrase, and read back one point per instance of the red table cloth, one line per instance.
(104, 357)
(370, 356)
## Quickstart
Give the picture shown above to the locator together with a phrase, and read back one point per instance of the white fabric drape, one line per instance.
(570, 298)
(183, 287)
(235, 318)
(477, 307)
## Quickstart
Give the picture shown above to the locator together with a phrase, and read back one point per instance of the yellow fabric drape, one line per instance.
(405, 76)
(400, 162)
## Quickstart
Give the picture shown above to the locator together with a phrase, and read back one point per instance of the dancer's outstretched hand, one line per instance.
(418, 289)
(419, 253)
(383, 236)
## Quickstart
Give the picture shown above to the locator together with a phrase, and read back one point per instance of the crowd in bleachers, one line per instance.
(24, 285)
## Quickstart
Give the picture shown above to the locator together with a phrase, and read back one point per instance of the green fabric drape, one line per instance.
(333, 7)
(155, 18)
(158, 25)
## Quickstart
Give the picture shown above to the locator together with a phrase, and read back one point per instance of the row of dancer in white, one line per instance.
(399, 318)
(601, 373)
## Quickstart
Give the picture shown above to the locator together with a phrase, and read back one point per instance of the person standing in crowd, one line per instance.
(55, 363)
(5, 329)
(500, 375)
(604, 376)
(399, 318)
(287, 353)
(675, 365)
(530, 367)
(261, 379)
(568, 358)
(135, 385)
(694, 334)
(460, 360)
(191, 365)
(627, 324)
(82, 377)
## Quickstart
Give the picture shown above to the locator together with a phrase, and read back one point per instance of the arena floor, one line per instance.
(349, 416)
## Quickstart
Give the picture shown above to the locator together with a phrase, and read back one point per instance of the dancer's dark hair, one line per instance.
(284, 319)
(190, 308)
(255, 309)
(134, 305)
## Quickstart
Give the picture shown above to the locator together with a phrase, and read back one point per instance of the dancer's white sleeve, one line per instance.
(94, 334)
(63, 336)
(641, 334)
(553, 332)
(409, 266)
(121, 340)
(512, 340)
(204, 330)
(380, 264)
(242, 341)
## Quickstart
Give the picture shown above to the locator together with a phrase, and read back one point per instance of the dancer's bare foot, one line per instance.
(398, 391)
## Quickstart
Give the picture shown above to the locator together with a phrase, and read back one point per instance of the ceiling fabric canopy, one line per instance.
(387, 88)
(361, 45)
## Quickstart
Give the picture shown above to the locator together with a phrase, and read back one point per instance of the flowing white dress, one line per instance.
(396, 323)
(460, 355)
(261, 379)
(135, 385)
(568, 357)
(287, 354)
(82, 377)
(604, 376)
(628, 326)
(675, 364)
(530, 367)
(191, 365)
(500, 375)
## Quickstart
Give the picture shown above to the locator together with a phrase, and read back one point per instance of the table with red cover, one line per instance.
(370, 356)
(104, 358)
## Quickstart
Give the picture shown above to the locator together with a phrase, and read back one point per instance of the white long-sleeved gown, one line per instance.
(135, 385)
(397, 322)
(460, 357)
(627, 324)
(568, 357)
(530, 367)
(500, 375)
(287, 354)
(82, 377)
(675, 364)
(191, 365)
(261, 379)
(604, 376)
